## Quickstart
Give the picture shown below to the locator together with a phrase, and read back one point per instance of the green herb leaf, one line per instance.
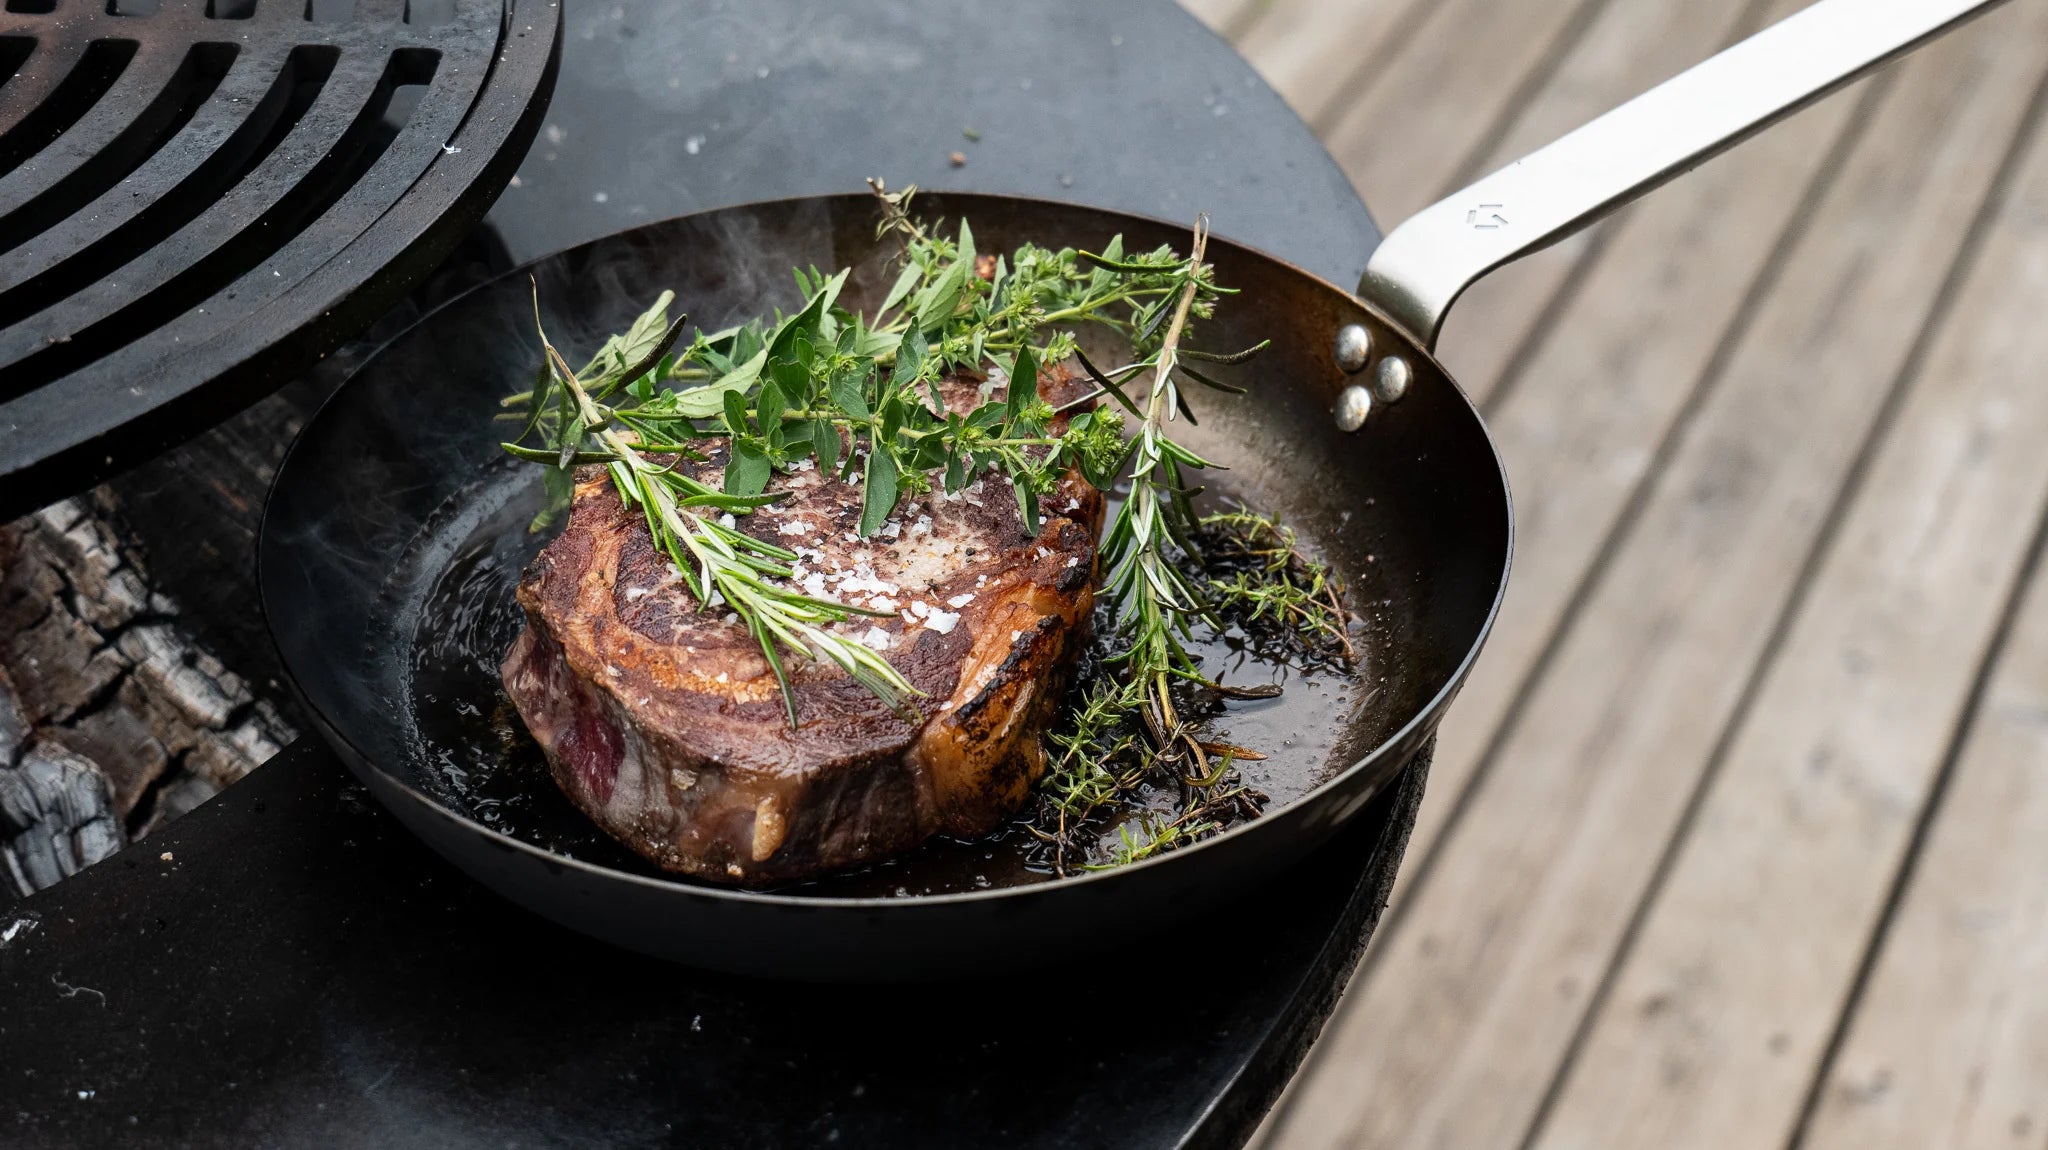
(910, 358)
(825, 443)
(846, 392)
(879, 496)
(941, 298)
(747, 472)
(571, 440)
(1023, 384)
(707, 401)
(769, 406)
(735, 413)
(808, 319)
(541, 384)
(1027, 504)
(901, 288)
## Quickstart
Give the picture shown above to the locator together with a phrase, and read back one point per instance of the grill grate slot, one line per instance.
(14, 50)
(113, 152)
(97, 68)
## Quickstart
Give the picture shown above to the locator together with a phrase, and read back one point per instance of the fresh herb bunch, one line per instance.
(859, 395)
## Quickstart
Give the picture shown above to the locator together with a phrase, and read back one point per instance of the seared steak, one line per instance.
(666, 726)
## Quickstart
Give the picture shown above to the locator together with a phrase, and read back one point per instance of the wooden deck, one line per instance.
(1739, 836)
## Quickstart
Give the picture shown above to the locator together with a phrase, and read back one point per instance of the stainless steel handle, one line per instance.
(1422, 266)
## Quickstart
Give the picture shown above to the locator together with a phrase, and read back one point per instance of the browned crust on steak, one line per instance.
(665, 725)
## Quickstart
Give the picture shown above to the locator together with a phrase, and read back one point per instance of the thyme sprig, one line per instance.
(1256, 572)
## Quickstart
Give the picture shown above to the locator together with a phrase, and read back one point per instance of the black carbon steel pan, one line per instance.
(395, 523)
(396, 479)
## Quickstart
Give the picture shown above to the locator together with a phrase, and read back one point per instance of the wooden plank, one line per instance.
(1224, 17)
(1471, 1001)
(1313, 51)
(1603, 390)
(1723, 1006)
(1950, 1044)
(1633, 46)
(1452, 83)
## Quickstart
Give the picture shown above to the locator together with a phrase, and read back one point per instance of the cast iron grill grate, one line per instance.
(199, 198)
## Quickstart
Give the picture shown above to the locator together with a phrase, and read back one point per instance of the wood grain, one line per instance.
(1473, 1000)
(1316, 52)
(1631, 47)
(1455, 79)
(1950, 1044)
(1609, 383)
(1723, 1006)
(1224, 17)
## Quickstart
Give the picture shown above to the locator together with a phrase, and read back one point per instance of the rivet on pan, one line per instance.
(1390, 383)
(1354, 347)
(1353, 405)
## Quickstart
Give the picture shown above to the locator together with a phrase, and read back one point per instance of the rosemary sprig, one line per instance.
(1155, 602)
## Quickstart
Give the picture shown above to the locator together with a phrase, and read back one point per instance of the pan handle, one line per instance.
(1423, 266)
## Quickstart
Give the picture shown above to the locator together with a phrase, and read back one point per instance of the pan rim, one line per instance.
(1426, 716)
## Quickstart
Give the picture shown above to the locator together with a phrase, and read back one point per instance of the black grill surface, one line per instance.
(199, 198)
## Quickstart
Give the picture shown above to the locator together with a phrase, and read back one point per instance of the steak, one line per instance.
(665, 724)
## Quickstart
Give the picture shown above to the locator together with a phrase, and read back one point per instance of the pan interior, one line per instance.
(398, 530)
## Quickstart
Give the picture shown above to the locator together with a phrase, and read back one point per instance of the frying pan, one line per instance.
(395, 515)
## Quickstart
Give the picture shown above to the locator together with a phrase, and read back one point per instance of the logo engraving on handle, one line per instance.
(1486, 217)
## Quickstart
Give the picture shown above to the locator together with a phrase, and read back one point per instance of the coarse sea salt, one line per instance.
(942, 621)
(876, 638)
(795, 527)
(959, 601)
(865, 580)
